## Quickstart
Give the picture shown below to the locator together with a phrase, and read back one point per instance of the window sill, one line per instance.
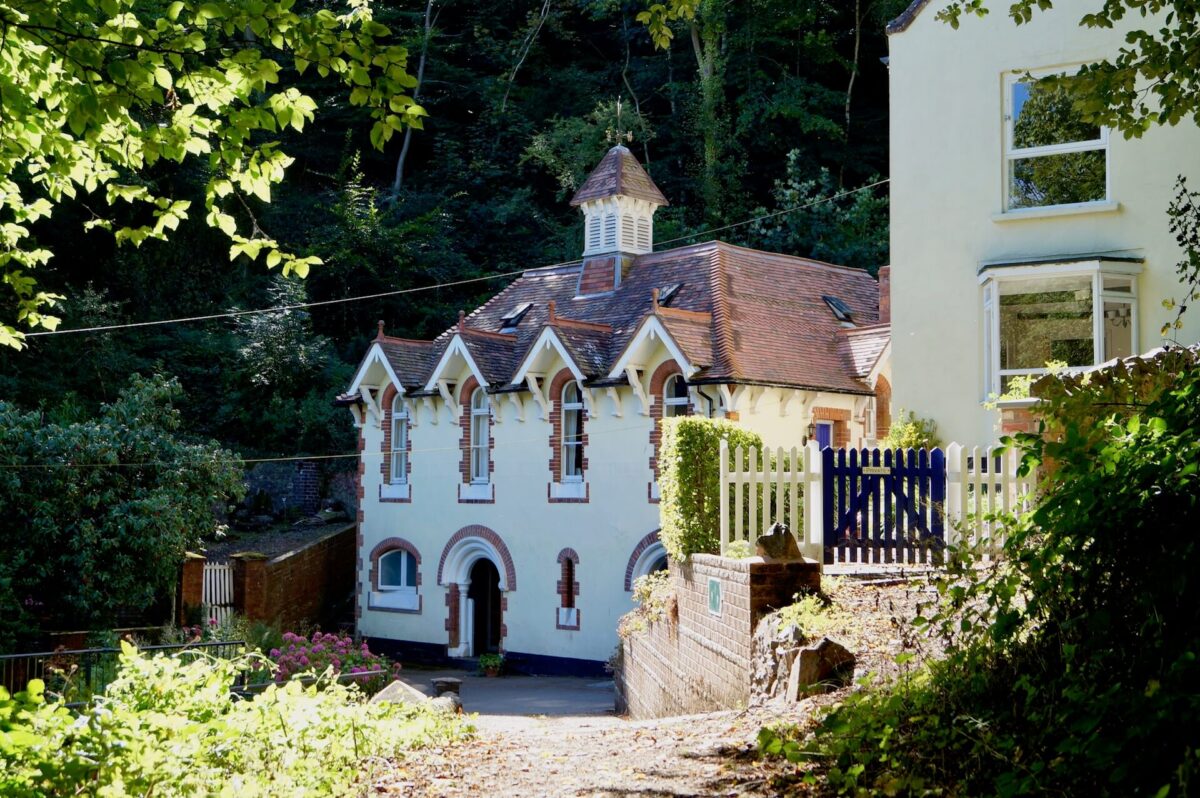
(397, 491)
(394, 601)
(476, 492)
(567, 618)
(568, 491)
(1015, 404)
(1051, 211)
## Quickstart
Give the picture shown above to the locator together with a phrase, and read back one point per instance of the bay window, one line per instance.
(1074, 315)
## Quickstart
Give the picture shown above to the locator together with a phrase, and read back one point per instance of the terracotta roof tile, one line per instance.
(618, 173)
(766, 322)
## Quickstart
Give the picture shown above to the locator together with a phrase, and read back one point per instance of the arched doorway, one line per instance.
(484, 593)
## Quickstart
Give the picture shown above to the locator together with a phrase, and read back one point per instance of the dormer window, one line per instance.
(481, 421)
(841, 311)
(675, 397)
(510, 320)
(667, 293)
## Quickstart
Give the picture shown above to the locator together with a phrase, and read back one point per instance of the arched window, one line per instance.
(568, 578)
(399, 453)
(572, 433)
(675, 396)
(481, 419)
(398, 572)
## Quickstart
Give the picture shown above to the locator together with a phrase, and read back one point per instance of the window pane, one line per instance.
(1045, 114)
(1060, 179)
(1118, 284)
(1118, 330)
(410, 571)
(1044, 320)
(392, 569)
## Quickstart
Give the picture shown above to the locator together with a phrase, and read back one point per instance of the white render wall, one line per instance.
(604, 531)
(947, 176)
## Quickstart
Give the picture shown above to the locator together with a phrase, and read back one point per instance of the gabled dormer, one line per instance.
(618, 201)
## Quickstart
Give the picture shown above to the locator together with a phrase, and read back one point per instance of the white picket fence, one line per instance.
(980, 483)
(217, 597)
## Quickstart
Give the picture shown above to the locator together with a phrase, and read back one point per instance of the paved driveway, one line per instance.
(511, 702)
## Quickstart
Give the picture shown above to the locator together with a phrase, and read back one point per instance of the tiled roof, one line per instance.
(906, 18)
(740, 315)
(864, 345)
(618, 173)
(408, 358)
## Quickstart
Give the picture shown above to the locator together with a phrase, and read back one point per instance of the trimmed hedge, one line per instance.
(689, 482)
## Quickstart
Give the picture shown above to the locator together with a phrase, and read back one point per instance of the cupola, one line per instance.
(618, 201)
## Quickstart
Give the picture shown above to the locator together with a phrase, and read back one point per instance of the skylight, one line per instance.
(841, 311)
(667, 293)
(510, 320)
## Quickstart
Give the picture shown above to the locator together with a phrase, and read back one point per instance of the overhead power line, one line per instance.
(452, 284)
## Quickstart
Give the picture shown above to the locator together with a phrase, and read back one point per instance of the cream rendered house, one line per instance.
(508, 493)
(1019, 235)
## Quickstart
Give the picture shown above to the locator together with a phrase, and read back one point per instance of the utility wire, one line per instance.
(325, 302)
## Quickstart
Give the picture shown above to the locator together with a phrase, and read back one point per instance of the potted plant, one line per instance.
(491, 664)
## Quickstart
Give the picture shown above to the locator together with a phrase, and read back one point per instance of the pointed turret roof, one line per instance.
(619, 173)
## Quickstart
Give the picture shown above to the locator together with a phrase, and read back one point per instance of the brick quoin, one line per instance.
(841, 423)
(359, 517)
(483, 533)
(657, 381)
(556, 432)
(452, 615)
(642, 545)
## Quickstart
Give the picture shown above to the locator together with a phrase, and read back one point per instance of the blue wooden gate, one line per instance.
(883, 506)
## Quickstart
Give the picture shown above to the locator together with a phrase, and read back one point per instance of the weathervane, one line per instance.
(620, 134)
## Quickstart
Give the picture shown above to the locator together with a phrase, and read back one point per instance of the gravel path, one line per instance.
(698, 755)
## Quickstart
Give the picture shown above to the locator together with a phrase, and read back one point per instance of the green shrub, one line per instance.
(911, 433)
(168, 726)
(656, 600)
(1071, 665)
(689, 482)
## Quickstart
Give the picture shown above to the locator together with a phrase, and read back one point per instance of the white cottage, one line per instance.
(507, 487)
(1019, 234)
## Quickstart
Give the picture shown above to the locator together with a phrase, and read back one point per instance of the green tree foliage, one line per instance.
(911, 432)
(97, 93)
(689, 482)
(99, 512)
(1151, 81)
(1071, 666)
(168, 726)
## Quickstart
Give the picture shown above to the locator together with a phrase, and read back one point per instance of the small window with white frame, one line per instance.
(572, 433)
(675, 396)
(481, 419)
(399, 453)
(396, 582)
(1079, 315)
(1053, 156)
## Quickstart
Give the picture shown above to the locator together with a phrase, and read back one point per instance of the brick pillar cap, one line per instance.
(249, 556)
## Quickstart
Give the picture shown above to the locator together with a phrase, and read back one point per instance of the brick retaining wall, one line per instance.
(300, 587)
(700, 661)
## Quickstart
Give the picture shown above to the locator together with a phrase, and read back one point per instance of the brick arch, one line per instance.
(568, 554)
(389, 545)
(883, 406)
(485, 534)
(638, 551)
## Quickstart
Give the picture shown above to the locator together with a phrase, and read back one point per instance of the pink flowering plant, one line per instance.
(354, 662)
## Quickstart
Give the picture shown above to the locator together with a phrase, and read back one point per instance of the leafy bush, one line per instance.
(656, 600)
(337, 654)
(689, 482)
(1072, 664)
(168, 726)
(98, 520)
(911, 433)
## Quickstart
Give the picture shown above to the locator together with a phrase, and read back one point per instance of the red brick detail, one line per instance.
(482, 532)
(657, 381)
(641, 547)
(841, 424)
(392, 544)
(452, 616)
(191, 585)
(464, 422)
(297, 588)
(567, 586)
(385, 467)
(556, 426)
(1018, 419)
(359, 516)
(598, 275)
(883, 407)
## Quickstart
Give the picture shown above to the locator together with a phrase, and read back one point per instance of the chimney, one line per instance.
(618, 201)
(885, 295)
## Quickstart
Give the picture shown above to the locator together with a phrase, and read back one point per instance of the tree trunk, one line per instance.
(398, 182)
